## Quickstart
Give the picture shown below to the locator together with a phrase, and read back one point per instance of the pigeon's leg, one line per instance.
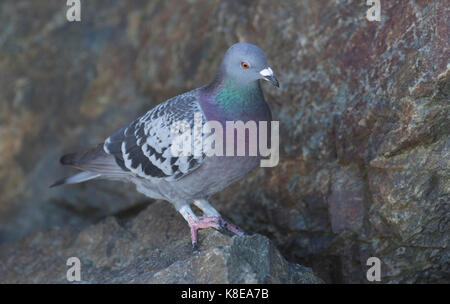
(195, 223)
(211, 214)
(208, 210)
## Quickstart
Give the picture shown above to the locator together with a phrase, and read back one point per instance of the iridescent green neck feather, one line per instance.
(234, 98)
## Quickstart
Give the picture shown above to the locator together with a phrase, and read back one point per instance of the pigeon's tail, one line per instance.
(77, 178)
(94, 162)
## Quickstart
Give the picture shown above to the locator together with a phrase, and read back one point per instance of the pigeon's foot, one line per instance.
(223, 224)
(212, 220)
(216, 222)
(200, 223)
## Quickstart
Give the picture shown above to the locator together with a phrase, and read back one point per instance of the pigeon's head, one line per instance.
(245, 63)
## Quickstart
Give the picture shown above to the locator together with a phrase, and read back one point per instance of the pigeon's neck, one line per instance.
(235, 100)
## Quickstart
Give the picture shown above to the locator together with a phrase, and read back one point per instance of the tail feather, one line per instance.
(77, 178)
(89, 157)
(94, 162)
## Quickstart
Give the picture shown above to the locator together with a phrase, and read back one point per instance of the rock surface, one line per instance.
(153, 247)
(363, 110)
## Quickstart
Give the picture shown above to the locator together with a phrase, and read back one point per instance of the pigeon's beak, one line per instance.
(268, 75)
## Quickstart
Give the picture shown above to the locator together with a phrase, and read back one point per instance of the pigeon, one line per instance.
(143, 151)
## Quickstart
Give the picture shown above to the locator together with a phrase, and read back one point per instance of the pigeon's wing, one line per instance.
(144, 146)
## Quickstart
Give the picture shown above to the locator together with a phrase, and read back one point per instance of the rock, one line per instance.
(147, 249)
(363, 110)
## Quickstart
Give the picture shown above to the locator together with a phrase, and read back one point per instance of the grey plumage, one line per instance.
(75, 179)
(144, 146)
(141, 151)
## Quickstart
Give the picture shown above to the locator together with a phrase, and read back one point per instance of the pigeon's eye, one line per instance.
(245, 65)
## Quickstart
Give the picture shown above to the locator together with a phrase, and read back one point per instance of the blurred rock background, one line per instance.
(363, 110)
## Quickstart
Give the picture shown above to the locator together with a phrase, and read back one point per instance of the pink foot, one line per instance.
(215, 222)
(223, 224)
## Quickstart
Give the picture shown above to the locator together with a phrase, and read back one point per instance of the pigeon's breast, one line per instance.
(216, 173)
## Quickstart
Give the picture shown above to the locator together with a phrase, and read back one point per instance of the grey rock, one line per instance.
(147, 249)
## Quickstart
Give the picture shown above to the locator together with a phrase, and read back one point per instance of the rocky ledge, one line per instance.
(151, 247)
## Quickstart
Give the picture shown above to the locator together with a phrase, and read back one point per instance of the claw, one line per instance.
(230, 227)
(194, 246)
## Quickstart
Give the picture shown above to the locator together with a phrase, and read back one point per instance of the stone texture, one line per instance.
(363, 110)
(153, 247)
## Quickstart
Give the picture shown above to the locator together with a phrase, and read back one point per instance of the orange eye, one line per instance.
(245, 65)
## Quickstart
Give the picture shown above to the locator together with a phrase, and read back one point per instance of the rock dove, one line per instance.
(142, 153)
